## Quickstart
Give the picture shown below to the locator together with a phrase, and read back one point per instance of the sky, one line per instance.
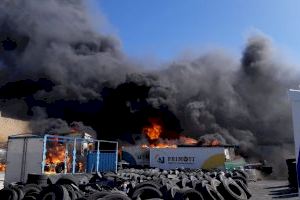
(165, 29)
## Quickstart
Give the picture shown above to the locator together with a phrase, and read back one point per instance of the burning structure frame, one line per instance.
(91, 145)
(56, 154)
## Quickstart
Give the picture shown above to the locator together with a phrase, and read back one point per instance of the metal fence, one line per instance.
(62, 154)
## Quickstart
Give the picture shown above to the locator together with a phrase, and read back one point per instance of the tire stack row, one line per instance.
(135, 184)
(292, 173)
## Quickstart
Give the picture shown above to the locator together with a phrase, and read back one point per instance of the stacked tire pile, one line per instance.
(292, 173)
(135, 184)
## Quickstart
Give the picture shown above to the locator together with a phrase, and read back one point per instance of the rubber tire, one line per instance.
(71, 191)
(19, 192)
(229, 189)
(209, 193)
(59, 191)
(98, 195)
(191, 194)
(8, 194)
(39, 179)
(28, 189)
(169, 191)
(68, 179)
(146, 193)
(29, 197)
(145, 184)
(244, 187)
(116, 197)
(242, 173)
(240, 177)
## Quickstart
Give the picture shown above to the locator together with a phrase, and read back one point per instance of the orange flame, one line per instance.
(215, 142)
(56, 155)
(153, 132)
(188, 140)
(2, 167)
(159, 145)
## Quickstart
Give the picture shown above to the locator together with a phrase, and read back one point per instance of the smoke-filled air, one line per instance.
(57, 70)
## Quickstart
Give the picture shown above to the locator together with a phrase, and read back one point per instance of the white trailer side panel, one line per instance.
(136, 155)
(295, 99)
(24, 156)
(187, 157)
(14, 158)
(34, 157)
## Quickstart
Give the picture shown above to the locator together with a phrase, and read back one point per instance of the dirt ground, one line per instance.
(272, 189)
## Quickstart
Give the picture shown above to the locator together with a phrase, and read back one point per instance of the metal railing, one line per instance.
(71, 144)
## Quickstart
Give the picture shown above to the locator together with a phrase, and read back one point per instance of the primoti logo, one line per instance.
(159, 159)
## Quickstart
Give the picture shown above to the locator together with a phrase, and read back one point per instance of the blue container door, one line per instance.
(107, 162)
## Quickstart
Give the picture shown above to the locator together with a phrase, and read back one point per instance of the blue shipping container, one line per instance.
(107, 161)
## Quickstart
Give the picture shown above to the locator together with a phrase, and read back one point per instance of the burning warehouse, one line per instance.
(183, 152)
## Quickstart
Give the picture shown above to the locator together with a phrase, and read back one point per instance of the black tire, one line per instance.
(71, 191)
(215, 183)
(241, 178)
(155, 199)
(145, 184)
(79, 194)
(116, 197)
(19, 192)
(229, 189)
(96, 177)
(29, 197)
(242, 173)
(146, 193)
(148, 183)
(8, 194)
(98, 195)
(182, 182)
(209, 193)
(39, 179)
(190, 194)
(167, 191)
(58, 192)
(29, 189)
(244, 187)
(68, 179)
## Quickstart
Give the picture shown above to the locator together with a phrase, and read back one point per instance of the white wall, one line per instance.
(294, 96)
(295, 100)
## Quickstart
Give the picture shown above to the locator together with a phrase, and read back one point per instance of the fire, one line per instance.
(59, 159)
(159, 145)
(55, 158)
(2, 167)
(188, 140)
(215, 142)
(210, 142)
(153, 132)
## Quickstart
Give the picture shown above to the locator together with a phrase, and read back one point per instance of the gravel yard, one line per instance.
(271, 189)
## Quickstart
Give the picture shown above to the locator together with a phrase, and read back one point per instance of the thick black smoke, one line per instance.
(55, 69)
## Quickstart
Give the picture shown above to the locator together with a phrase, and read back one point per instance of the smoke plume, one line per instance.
(55, 69)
